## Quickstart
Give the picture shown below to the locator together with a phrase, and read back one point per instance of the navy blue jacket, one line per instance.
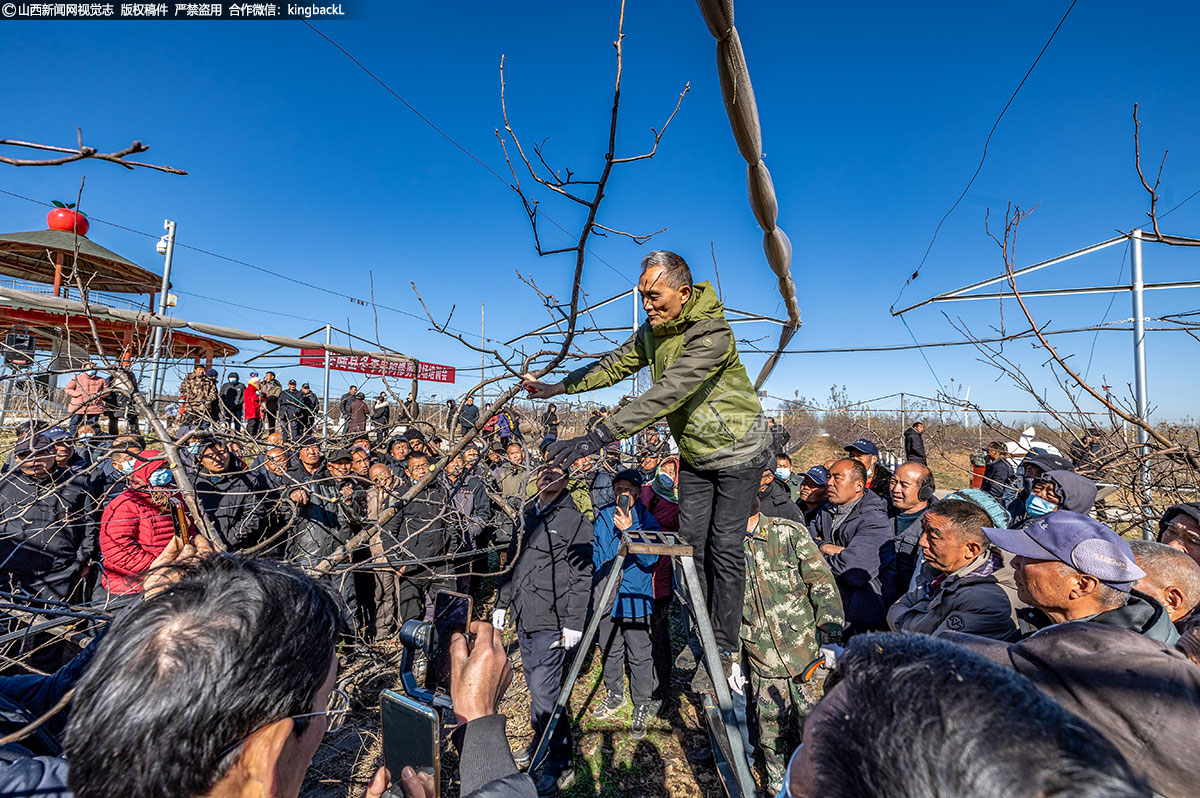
(865, 570)
(635, 596)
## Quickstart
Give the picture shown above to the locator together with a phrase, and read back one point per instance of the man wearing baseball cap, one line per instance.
(1074, 568)
(879, 478)
(813, 492)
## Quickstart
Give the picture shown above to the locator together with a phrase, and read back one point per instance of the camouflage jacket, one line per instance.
(792, 605)
(199, 391)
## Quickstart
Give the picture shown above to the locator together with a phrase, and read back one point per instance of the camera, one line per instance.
(412, 721)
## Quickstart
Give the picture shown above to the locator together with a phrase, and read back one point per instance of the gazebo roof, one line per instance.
(119, 338)
(24, 255)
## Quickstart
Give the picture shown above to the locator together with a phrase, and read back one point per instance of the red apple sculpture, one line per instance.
(66, 217)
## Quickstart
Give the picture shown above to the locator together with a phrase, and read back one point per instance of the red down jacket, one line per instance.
(133, 531)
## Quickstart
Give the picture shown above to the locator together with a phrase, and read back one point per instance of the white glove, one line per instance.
(737, 680)
(499, 616)
(571, 638)
(831, 653)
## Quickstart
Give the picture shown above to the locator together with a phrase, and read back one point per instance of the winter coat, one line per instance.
(236, 504)
(47, 532)
(133, 531)
(356, 414)
(865, 570)
(199, 391)
(468, 416)
(270, 390)
(792, 606)
(232, 397)
(666, 512)
(418, 530)
(700, 386)
(776, 502)
(323, 525)
(906, 528)
(1138, 692)
(980, 599)
(251, 404)
(469, 505)
(381, 414)
(914, 446)
(34, 765)
(549, 586)
(997, 475)
(291, 404)
(635, 596)
(85, 394)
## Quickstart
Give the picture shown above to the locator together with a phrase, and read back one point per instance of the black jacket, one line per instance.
(865, 570)
(914, 446)
(468, 415)
(997, 475)
(550, 584)
(485, 763)
(233, 396)
(419, 529)
(777, 502)
(48, 531)
(381, 414)
(323, 524)
(237, 504)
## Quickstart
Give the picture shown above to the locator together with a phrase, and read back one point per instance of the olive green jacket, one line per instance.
(700, 386)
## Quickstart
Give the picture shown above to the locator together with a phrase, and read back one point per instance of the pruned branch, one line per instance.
(1137, 162)
(81, 153)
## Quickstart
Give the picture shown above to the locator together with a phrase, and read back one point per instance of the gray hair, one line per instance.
(676, 272)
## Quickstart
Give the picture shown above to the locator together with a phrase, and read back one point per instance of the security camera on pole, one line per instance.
(166, 248)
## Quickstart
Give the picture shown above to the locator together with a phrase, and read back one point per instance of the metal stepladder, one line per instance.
(723, 729)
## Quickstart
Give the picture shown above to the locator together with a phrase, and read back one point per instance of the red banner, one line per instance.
(364, 364)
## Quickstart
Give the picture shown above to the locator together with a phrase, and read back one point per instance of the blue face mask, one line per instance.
(127, 467)
(666, 481)
(90, 372)
(1036, 506)
(162, 477)
(783, 473)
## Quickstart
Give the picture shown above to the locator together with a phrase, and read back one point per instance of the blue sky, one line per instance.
(873, 114)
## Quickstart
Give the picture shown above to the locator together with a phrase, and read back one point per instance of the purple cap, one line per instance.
(865, 446)
(1076, 540)
(818, 474)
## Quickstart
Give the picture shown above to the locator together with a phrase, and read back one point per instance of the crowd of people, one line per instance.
(879, 637)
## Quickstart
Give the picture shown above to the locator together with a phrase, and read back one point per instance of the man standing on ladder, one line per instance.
(702, 390)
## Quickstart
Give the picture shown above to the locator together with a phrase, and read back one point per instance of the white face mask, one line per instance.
(783, 473)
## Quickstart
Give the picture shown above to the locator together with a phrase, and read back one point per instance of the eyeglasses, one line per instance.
(339, 708)
(1183, 532)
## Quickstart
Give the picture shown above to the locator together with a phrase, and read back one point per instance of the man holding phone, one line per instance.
(548, 588)
(624, 633)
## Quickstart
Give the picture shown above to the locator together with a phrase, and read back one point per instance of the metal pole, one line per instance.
(325, 399)
(903, 415)
(7, 395)
(483, 341)
(1139, 372)
(169, 226)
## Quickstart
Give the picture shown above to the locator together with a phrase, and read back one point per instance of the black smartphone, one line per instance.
(625, 502)
(451, 614)
(410, 738)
